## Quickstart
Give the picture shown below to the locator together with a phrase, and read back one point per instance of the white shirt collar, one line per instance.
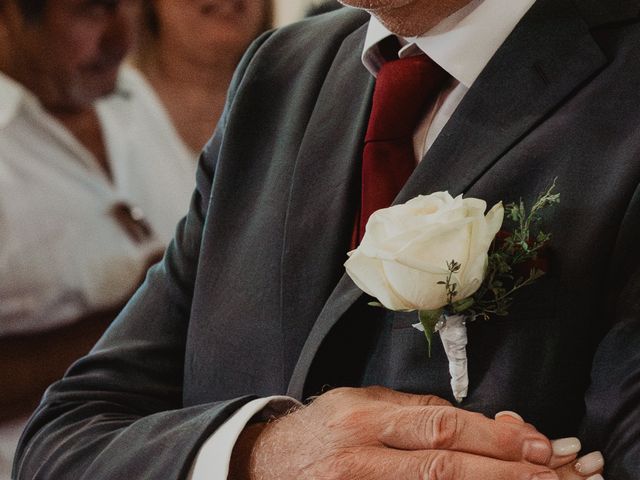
(13, 95)
(463, 43)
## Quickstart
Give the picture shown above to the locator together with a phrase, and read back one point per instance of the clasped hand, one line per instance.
(379, 434)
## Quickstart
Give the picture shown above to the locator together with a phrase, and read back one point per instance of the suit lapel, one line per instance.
(322, 200)
(550, 54)
(342, 297)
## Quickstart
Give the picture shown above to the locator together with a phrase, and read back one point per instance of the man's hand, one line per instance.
(376, 433)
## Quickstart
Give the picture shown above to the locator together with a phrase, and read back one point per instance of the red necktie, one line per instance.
(404, 89)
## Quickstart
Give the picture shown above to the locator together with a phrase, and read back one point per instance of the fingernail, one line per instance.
(597, 476)
(537, 451)
(589, 463)
(546, 476)
(565, 446)
(509, 413)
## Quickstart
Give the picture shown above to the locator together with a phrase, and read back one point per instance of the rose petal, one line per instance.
(419, 290)
(367, 273)
(449, 243)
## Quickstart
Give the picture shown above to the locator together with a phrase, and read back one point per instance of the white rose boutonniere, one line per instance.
(437, 255)
(406, 248)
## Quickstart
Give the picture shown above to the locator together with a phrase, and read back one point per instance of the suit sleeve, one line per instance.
(118, 411)
(612, 419)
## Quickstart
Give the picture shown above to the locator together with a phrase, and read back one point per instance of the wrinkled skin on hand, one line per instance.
(375, 433)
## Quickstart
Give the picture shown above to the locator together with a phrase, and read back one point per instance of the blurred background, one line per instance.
(97, 165)
(75, 245)
(287, 11)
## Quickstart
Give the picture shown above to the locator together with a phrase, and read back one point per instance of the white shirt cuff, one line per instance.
(212, 460)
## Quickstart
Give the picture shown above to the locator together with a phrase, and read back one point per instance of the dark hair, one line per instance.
(32, 10)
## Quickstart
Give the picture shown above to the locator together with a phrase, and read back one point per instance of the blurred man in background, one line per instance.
(91, 186)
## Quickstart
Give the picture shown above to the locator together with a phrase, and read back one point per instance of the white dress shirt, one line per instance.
(62, 252)
(462, 44)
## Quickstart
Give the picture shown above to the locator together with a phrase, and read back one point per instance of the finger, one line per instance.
(560, 461)
(509, 417)
(568, 472)
(589, 464)
(401, 398)
(587, 467)
(565, 450)
(388, 464)
(449, 428)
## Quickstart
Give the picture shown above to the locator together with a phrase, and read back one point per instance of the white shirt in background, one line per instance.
(63, 254)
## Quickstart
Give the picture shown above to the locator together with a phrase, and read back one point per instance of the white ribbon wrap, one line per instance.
(453, 333)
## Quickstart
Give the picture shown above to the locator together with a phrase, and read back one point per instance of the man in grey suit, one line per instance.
(251, 300)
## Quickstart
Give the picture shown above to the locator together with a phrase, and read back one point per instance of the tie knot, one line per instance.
(404, 87)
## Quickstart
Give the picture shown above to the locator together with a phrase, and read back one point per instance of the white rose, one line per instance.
(405, 250)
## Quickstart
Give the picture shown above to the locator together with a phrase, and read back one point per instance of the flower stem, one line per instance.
(428, 319)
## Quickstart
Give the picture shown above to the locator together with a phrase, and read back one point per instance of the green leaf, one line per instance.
(462, 305)
(375, 304)
(428, 319)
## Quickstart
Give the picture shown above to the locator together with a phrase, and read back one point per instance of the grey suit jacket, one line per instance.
(251, 300)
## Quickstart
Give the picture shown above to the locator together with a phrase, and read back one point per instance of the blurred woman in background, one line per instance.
(189, 51)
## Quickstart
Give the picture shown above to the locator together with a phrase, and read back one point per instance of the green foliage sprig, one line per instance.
(511, 252)
(509, 255)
